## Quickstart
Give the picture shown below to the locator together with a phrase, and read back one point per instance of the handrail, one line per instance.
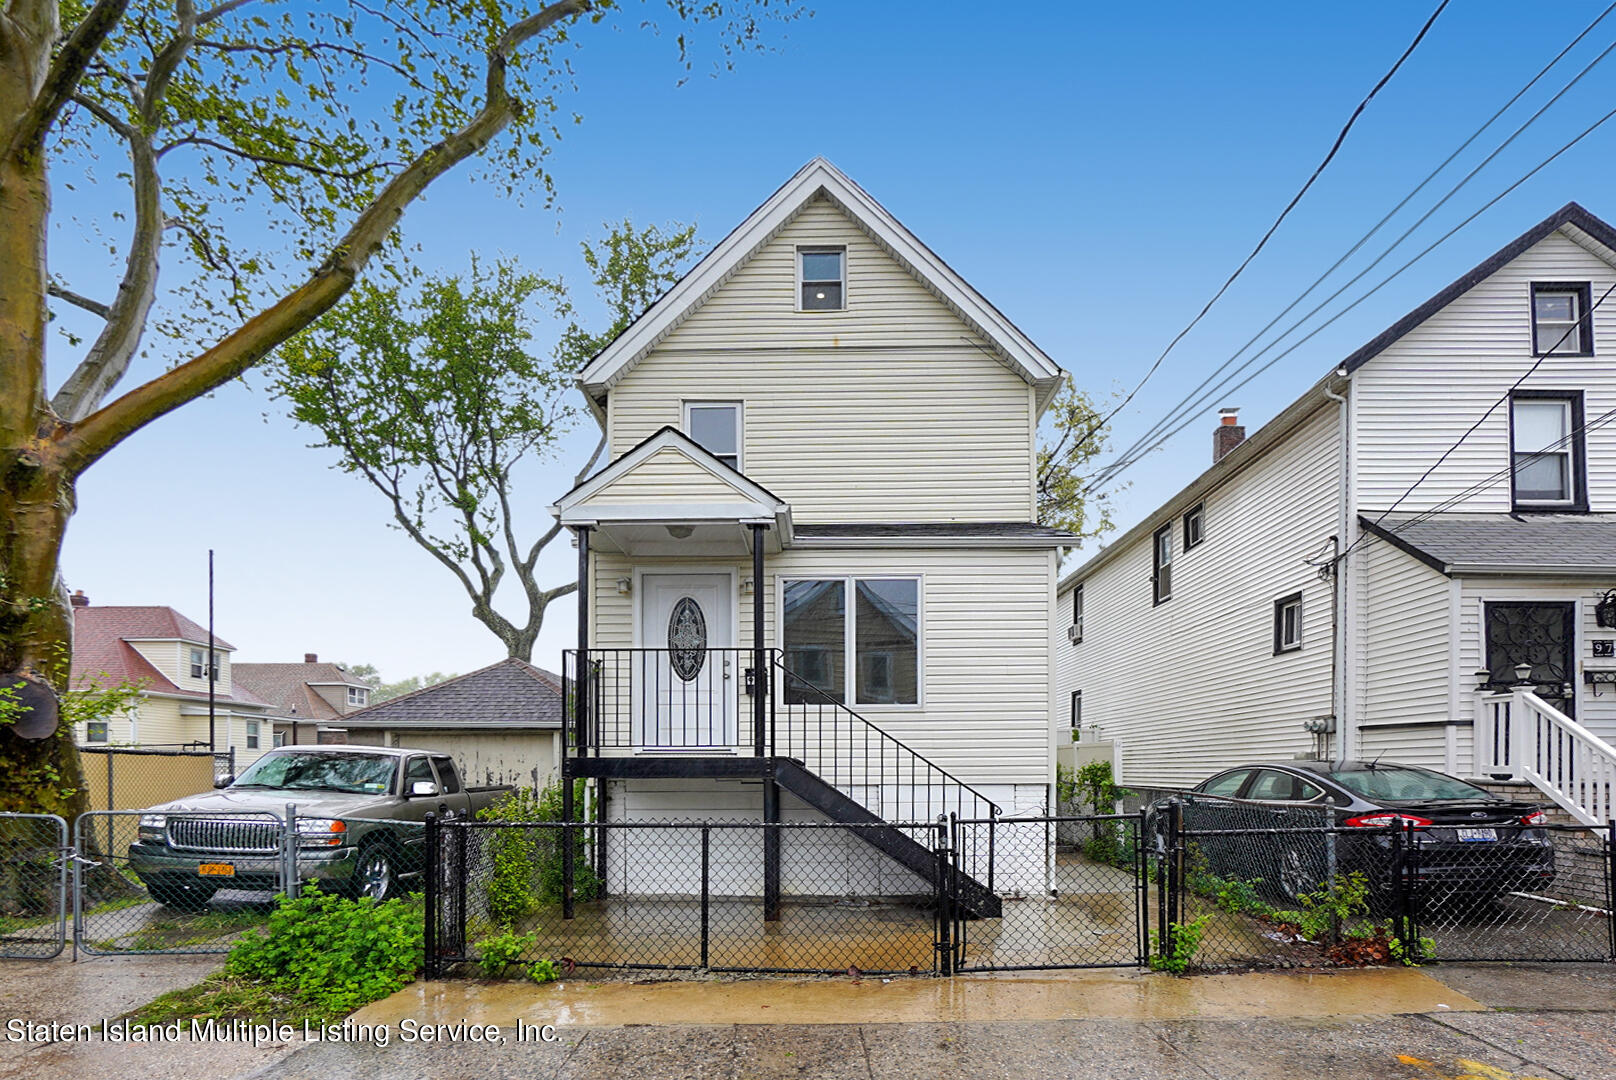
(1567, 762)
(783, 746)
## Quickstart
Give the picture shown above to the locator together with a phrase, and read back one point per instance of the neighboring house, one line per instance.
(305, 697)
(1472, 624)
(812, 579)
(501, 723)
(167, 656)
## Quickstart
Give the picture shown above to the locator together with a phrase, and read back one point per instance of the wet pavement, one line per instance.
(1473, 1022)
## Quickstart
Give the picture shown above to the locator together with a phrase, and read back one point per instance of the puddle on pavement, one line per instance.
(1110, 995)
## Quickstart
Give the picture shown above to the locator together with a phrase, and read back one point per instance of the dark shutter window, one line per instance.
(1288, 623)
(1161, 575)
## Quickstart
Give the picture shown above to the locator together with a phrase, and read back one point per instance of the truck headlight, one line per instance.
(152, 826)
(320, 832)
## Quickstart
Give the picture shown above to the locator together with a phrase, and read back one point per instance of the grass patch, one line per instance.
(230, 997)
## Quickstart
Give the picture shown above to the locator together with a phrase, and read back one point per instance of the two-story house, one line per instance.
(811, 579)
(166, 656)
(1416, 559)
(305, 697)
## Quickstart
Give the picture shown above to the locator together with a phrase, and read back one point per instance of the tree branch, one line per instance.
(62, 79)
(62, 292)
(81, 446)
(285, 163)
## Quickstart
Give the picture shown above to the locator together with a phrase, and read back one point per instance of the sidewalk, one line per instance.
(1487, 1022)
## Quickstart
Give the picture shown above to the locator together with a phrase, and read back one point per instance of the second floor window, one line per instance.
(1560, 319)
(1077, 615)
(1161, 573)
(822, 275)
(715, 426)
(357, 695)
(1545, 432)
(1194, 525)
(200, 668)
(1288, 623)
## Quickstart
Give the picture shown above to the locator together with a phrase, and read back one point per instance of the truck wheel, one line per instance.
(375, 875)
(180, 895)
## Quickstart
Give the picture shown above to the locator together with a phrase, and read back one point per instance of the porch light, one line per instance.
(1523, 673)
(1605, 610)
(680, 532)
(625, 586)
(746, 586)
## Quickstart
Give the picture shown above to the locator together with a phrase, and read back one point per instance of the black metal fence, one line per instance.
(34, 858)
(1188, 887)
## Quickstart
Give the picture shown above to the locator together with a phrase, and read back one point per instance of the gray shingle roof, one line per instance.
(1505, 543)
(509, 692)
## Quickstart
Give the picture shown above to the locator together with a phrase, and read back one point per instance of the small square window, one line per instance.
(1562, 323)
(1161, 575)
(357, 695)
(96, 731)
(716, 428)
(280, 739)
(1194, 525)
(1288, 623)
(823, 276)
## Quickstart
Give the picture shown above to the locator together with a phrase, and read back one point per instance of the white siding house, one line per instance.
(1444, 502)
(821, 463)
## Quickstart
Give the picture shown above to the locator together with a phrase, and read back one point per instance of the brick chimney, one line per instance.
(78, 599)
(1227, 435)
(311, 658)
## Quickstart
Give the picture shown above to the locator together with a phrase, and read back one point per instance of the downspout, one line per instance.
(1345, 732)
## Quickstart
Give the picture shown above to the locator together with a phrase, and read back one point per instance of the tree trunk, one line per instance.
(36, 495)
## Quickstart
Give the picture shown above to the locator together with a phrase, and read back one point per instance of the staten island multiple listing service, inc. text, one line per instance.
(273, 1032)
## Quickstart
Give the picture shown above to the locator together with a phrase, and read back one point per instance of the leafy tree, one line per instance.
(1076, 436)
(386, 691)
(436, 400)
(265, 152)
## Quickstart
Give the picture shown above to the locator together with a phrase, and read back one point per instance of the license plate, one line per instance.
(1478, 834)
(217, 869)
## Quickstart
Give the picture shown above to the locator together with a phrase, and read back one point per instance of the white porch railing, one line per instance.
(1519, 736)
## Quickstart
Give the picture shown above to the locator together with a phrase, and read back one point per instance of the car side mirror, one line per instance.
(424, 788)
(223, 781)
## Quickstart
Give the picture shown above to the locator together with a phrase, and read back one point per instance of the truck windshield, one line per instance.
(359, 774)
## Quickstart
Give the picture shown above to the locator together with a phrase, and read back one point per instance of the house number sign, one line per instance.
(1605, 648)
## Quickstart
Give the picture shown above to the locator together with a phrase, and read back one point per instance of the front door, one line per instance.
(686, 673)
(1536, 633)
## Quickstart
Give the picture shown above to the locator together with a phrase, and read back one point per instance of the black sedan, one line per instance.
(1469, 846)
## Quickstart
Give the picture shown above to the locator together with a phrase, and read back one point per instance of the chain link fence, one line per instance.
(33, 885)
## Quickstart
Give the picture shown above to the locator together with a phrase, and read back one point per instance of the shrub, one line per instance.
(496, 954)
(528, 863)
(1183, 939)
(334, 953)
(543, 971)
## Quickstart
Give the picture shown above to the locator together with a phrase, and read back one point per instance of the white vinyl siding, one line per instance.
(986, 621)
(892, 410)
(1403, 637)
(1191, 687)
(1450, 369)
(666, 476)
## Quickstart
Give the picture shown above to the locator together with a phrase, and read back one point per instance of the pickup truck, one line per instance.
(359, 815)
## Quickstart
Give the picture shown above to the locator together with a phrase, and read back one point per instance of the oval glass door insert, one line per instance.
(687, 638)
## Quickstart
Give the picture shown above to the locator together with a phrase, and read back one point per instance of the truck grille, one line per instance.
(225, 834)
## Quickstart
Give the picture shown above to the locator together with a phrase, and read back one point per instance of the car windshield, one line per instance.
(359, 774)
(1404, 784)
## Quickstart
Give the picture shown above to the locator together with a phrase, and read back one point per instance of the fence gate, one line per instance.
(34, 858)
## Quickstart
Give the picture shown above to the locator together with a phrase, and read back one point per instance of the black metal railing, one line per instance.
(861, 760)
(662, 699)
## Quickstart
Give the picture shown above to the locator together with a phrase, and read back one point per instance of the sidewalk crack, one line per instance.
(1547, 1073)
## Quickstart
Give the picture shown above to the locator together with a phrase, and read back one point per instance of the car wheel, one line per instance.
(180, 895)
(375, 875)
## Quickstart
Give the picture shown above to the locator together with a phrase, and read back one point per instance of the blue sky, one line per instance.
(1095, 170)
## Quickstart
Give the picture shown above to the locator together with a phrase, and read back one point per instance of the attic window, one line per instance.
(1561, 322)
(822, 272)
(357, 695)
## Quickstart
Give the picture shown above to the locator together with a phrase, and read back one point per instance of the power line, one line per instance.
(1132, 457)
(1335, 147)
(1171, 414)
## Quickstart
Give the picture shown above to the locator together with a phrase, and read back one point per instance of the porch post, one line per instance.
(580, 682)
(760, 671)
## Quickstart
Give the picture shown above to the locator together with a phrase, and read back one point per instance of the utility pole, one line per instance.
(213, 674)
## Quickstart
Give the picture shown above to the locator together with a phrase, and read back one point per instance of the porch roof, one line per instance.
(1537, 545)
(669, 496)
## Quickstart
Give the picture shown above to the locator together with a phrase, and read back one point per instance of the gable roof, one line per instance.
(1578, 224)
(287, 686)
(1556, 544)
(751, 497)
(819, 178)
(103, 657)
(509, 694)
